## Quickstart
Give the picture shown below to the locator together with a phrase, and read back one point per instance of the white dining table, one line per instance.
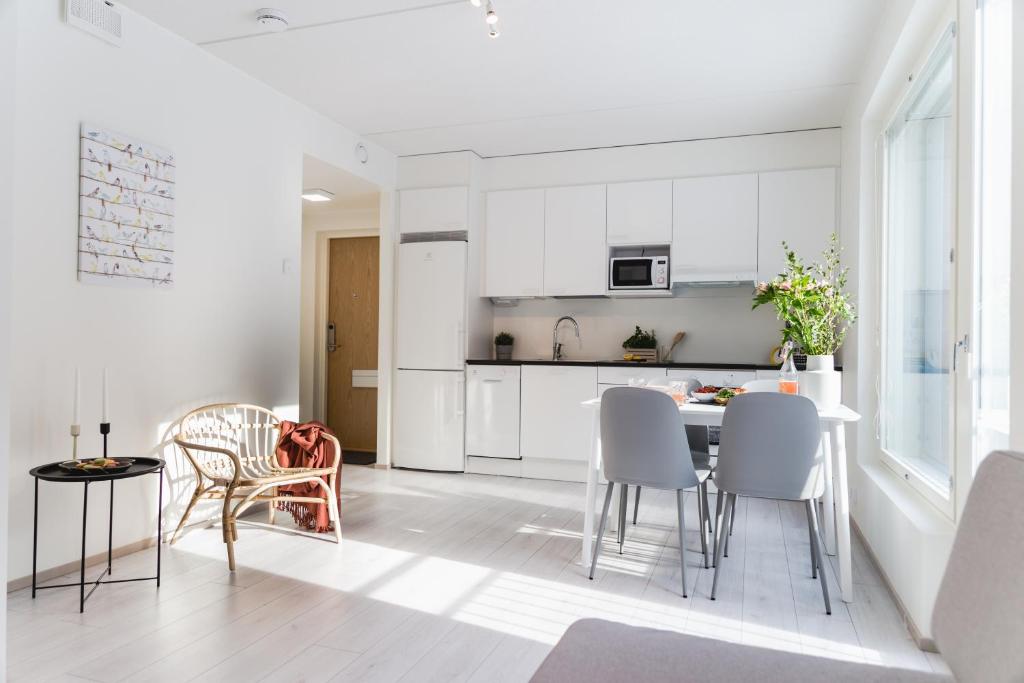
(836, 500)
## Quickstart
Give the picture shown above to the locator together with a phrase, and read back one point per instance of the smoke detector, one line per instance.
(272, 19)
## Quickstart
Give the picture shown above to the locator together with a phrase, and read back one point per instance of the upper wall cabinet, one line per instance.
(433, 209)
(714, 229)
(798, 207)
(575, 256)
(640, 213)
(514, 244)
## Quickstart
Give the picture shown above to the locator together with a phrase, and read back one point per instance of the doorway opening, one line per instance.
(340, 306)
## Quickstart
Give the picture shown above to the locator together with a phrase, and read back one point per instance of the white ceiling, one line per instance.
(351, 193)
(422, 76)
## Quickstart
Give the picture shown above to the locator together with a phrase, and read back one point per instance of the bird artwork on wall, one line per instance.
(126, 211)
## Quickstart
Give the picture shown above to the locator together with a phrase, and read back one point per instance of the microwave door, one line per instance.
(631, 273)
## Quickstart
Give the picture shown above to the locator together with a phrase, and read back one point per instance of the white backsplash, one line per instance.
(719, 326)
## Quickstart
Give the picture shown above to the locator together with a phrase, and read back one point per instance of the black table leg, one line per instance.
(35, 536)
(85, 511)
(159, 525)
(110, 531)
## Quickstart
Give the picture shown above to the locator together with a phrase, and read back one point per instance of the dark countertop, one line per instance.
(624, 363)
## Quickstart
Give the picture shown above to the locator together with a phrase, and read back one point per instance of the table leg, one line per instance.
(591, 500)
(110, 531)
(159, 525)
(828, 500)
(842, 499)
(35, 536)
(81, 579)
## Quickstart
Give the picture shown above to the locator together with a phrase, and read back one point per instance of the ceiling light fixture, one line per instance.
(494, 32)
(272, 19)
(317, 195)
(475, 3)
(492, 16)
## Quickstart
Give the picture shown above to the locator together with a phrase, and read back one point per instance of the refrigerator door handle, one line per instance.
(460, 397)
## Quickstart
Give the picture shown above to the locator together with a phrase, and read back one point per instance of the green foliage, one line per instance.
(504, 339)
(641, 340)
(811, 302)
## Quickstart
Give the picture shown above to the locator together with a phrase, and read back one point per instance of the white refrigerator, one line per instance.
(430, 350)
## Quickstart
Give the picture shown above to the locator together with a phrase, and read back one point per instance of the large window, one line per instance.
(918, 276)
(991, 352)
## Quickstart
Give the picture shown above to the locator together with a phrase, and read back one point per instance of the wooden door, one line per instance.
(352, 308)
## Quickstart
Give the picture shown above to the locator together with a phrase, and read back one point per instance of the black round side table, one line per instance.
(53, 472)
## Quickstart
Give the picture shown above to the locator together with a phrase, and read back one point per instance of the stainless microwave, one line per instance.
(638, 272)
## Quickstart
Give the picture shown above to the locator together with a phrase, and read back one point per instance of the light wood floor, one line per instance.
(443, 577)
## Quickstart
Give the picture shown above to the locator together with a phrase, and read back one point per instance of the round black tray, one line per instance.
(53, 472)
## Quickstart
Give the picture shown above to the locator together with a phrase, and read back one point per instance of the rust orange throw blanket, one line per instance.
(303, 445)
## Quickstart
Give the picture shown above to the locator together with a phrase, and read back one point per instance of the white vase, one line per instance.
(821, 382)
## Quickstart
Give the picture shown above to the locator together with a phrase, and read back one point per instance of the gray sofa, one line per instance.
(978, 622)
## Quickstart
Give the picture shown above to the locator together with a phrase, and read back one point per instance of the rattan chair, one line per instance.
(233, 449)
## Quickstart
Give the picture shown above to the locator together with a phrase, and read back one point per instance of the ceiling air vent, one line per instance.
(98, 17)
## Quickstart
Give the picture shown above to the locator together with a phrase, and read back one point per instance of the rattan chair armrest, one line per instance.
(236, 463)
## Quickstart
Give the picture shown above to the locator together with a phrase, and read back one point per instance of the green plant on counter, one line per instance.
(504, 339)
(641, 340)
(810, 301)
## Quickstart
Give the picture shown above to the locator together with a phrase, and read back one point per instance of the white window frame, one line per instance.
(941, 497)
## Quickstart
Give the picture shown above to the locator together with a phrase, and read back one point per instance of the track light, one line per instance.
(492, 16)
(475, 3)
(494, 32)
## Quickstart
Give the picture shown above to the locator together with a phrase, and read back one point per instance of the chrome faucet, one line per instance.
(556, 348)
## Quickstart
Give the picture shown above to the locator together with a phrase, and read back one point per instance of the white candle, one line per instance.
(106, 397)
(78, 396)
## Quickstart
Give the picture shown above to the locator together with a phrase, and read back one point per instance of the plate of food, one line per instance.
(704, 394)
(97, 465)
(724, 395)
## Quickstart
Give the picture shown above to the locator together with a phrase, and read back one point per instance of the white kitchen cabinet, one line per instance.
(714, 229)
(492, 411)
(718, 378)
(514, 244)
(622, 375)
(555, 425)
(433, 209)
(640, 213)
(575, 256)
(798, 207)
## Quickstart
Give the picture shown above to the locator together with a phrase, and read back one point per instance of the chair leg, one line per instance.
(623, 498)
(707, 510)
(719, 521)
(600, 528)
(227, 523)
(636, 504)
(272, 506)
(810, 538)
(818, 554)
(188, 511)
(732, 523)
(724, 520)
(702, 493)
(682, 538)
(332, 502)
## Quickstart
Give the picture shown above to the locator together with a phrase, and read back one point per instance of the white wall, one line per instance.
(909, 537)
(8, 37)
(719, 326)
(1017, 283)
(227, 330)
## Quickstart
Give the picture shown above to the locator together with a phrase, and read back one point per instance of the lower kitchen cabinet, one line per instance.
(718, 378)
(554, 424)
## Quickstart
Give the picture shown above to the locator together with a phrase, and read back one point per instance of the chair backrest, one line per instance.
(769, 447)
(643, 441)
(978, 622)
(761, 385)
(248, 431)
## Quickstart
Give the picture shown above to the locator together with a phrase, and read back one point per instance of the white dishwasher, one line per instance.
(492, 411)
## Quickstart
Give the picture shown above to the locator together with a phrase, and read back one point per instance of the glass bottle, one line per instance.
(788, 378)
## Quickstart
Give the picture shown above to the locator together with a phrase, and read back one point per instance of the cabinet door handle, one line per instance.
(491, 380)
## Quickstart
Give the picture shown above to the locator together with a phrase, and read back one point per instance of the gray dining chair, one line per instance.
(700, 449)
(769, 449)
(643, 444)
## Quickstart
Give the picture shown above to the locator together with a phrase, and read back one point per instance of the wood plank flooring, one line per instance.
(444, 578)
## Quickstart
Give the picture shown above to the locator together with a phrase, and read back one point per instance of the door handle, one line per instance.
(331, 338)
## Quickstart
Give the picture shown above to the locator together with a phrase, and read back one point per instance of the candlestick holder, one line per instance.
(104, 430)
(76, 430)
